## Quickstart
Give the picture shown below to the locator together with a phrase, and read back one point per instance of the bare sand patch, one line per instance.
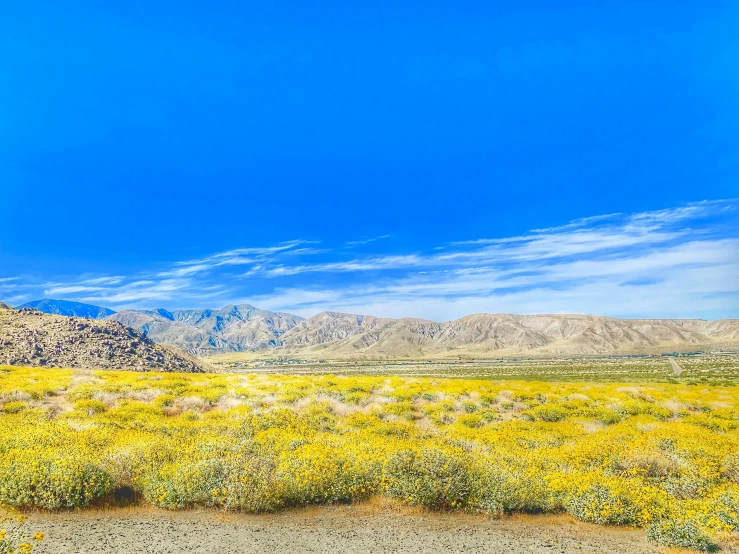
(376, 526)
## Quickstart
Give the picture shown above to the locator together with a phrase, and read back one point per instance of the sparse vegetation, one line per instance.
(684, 534)
(15, 538)
(698, 369)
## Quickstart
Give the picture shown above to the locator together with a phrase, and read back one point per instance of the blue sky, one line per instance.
(383, 158)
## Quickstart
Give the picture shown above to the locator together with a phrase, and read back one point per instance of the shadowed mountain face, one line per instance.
(333, 334)
(30, 337)
(65, 307)
(230, 329)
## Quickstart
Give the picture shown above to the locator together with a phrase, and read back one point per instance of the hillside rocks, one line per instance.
(30, 337)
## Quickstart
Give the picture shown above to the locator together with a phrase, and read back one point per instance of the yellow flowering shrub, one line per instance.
(317, 473)
(13, 407)
(34, 480)
(430, 477)
(616, 501)
(502, 487)
(629, 454)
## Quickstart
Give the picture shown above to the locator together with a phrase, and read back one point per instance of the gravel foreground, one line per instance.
(351, 529)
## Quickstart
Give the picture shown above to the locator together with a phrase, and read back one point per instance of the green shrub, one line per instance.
(684, 534)
(318, 474)
(398, 408)
(726, 508)
(52, 484)
(14, 407)
(164, 400)
(90, 407)
(730, 467)
(187, 484)
(469, 407)
(498, 489)
(254, 488)
(549, 412)
(318, 416)
(489, 415)
(608, 416)
(604, 505)
(430, 478)
(247, 485)
(472, 421)
(660, 412)
(356, 397)
(282, 418)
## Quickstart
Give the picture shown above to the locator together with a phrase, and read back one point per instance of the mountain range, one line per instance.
(245, 328)
(67, 308)
(230, 329)
(337, 335)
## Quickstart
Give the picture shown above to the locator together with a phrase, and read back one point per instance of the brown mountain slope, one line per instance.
(29, 337)
(345, 335)
(232, 328)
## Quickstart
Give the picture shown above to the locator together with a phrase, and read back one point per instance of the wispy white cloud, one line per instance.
(239, 256)
(107, 280)
(673, 262)
(366, 264)
(70, 289)
(188, 281)
(643, 264)
(683, 213)
(367, 240)
(151, 291)
(581, 222)
(567, 240)
(16, 300)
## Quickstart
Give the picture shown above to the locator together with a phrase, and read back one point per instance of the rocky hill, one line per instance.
(230, 329)
(65, 307)
(30, 337)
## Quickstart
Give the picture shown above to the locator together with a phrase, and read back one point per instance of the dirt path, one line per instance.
(676, 369)
(351, 529)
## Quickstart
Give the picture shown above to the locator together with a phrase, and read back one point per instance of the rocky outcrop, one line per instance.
(31, 338)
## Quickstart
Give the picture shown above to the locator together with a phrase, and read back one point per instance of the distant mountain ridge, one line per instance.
(233, 328)
(245, 328)
(348, 335)
(67, 308)
(341, 335)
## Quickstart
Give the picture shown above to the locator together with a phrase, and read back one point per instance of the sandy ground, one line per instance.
(677, 371)
(351, 529)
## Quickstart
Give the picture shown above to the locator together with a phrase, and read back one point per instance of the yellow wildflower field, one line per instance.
(646, 454)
